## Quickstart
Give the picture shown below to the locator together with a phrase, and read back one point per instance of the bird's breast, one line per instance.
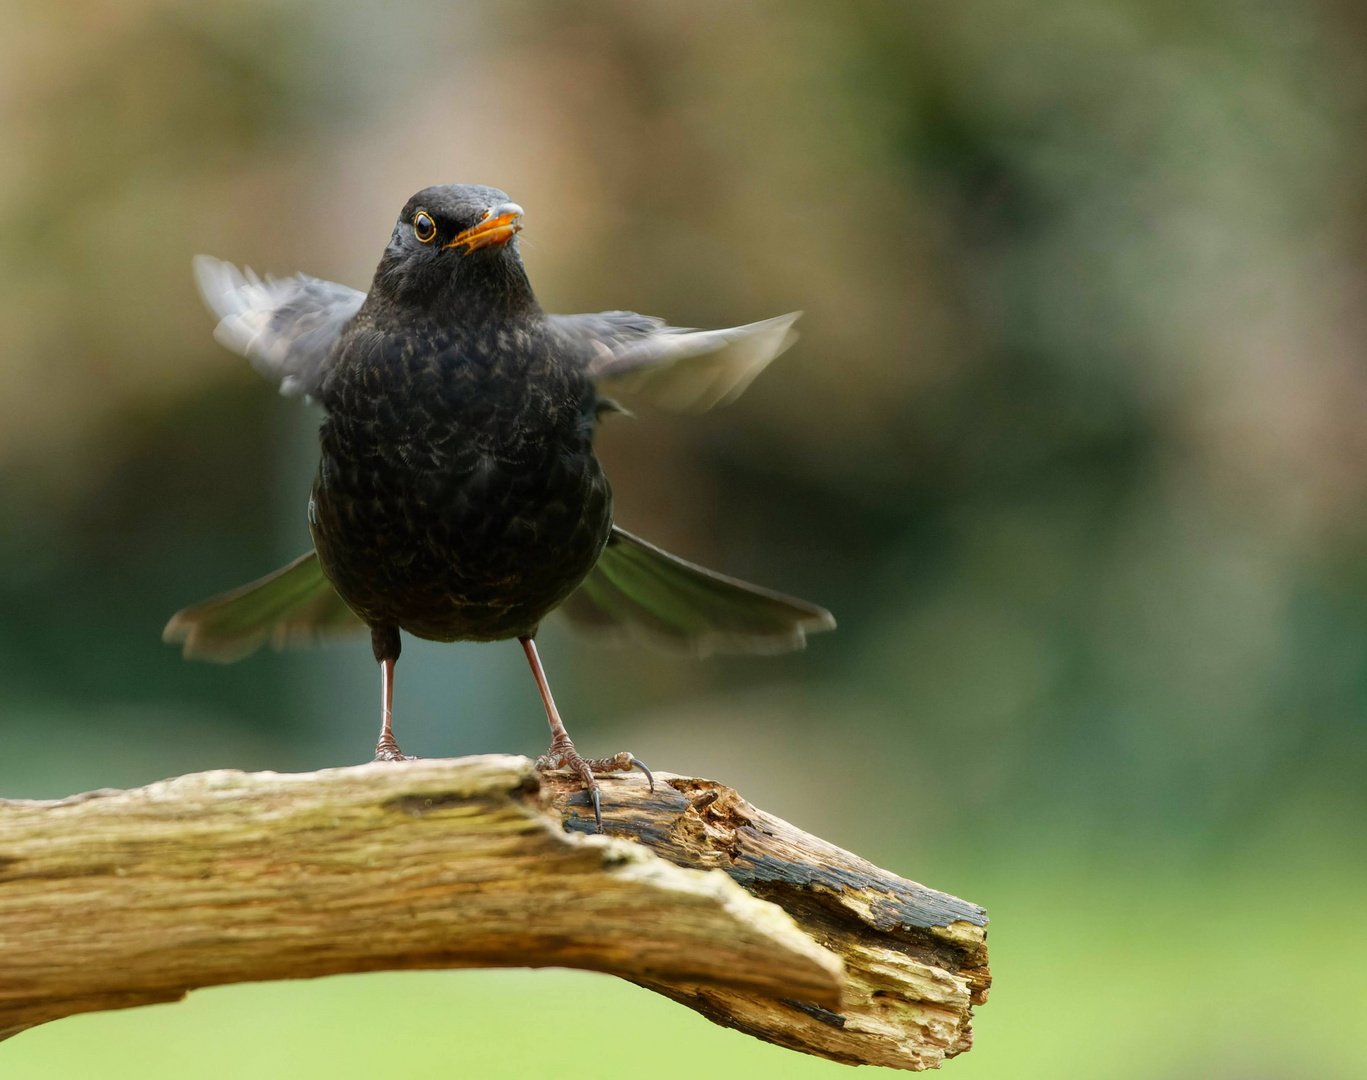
(457, 493)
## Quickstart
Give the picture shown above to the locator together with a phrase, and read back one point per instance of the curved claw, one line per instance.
(639, 764)
(597, 807)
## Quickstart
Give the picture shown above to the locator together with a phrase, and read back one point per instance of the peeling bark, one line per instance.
(120, 898)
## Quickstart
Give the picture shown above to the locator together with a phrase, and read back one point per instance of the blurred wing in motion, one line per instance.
(292, 608)
(637, 590)
(675, 367)
(285, 327)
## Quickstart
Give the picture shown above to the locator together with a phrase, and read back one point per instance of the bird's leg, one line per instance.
(385, 642)
(563, 755)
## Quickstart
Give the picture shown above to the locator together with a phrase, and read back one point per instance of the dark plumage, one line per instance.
(458, 496)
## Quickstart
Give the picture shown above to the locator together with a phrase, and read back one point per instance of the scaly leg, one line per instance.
(563, 755)
(385, 643)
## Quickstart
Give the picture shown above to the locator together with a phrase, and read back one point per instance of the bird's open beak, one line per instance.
(500, 225)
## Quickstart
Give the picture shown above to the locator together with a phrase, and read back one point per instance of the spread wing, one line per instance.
(637, 590)
(285, 326)
(671, 366)
(294, 607)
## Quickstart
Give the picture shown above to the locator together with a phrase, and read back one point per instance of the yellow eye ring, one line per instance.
(424, 228)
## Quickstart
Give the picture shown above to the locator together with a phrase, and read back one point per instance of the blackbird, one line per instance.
(458, 496)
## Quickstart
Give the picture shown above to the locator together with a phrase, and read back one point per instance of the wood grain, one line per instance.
(119, 898)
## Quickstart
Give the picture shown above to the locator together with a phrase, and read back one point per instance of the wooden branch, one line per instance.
(120, 898)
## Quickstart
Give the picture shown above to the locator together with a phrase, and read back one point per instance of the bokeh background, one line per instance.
(1073, 445)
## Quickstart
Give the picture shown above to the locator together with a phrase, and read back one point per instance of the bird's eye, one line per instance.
(424, 228)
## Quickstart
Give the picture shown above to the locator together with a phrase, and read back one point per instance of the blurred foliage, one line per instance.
(1072, 444)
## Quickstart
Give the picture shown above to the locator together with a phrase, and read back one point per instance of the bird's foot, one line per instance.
(388, 750)
(563, 755)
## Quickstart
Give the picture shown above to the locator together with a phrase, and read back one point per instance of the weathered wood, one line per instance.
(915, 959)
(120, 898)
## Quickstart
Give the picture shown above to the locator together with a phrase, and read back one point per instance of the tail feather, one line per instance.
(294, 607)
(638, 590)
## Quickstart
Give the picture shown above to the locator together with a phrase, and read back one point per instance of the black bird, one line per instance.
(458, 496)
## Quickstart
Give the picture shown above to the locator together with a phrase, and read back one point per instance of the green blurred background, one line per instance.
(1072, 445)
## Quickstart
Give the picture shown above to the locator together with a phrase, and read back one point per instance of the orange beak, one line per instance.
(499, 226)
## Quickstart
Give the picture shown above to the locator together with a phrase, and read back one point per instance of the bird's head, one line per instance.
(454, 253)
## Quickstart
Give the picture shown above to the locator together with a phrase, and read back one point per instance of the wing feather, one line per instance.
(677, 368)
(285, 326)
(294, 607)
(639, 591)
